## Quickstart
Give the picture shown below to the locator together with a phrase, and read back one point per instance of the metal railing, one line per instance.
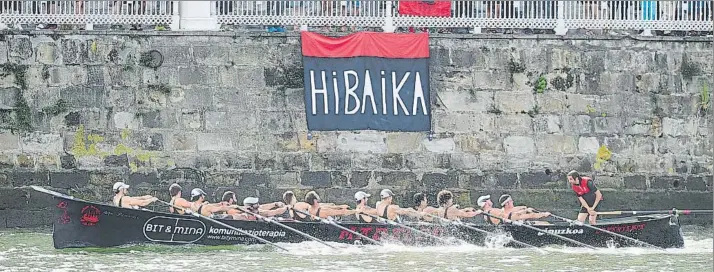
(556, 15)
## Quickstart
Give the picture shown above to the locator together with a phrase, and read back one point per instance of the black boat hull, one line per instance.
(81, 223)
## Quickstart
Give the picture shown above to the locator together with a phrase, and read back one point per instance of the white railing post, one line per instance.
(175, 15)
(196, 15)
(560, 23)
(388, 18)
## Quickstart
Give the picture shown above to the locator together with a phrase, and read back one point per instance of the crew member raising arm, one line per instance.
(121, 199)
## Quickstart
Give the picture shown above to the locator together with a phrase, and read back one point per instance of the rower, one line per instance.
(422, 205)
(290, 199)
(202, 207)
(588, 195)
(121, 199)
(361, 198)
(229, 199)
(252, 205)
(449, 211)
(392, 211)
(519, 213)
(177, 200)
(487, 206)
(316, 210)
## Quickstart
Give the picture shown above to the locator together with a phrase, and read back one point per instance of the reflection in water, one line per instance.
(33, 251)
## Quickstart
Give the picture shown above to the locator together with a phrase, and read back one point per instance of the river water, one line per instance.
(23, 250)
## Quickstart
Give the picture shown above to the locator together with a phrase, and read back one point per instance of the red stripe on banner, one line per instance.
(425, 8)
(366, 44)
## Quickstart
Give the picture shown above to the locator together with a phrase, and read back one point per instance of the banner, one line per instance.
(435, 8)
(367, 81)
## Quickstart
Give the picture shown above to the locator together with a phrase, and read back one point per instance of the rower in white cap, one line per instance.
(390, 211)
(252, 205)
(121, 199)
(202, 207)
(487, 206)
(361, 198)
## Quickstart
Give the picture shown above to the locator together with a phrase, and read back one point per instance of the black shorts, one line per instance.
(590, 199)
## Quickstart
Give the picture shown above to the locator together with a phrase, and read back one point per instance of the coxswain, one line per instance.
(361, 198)
(448, 210)
(520, 213)
(313, 199)
(486, 205)
(252, 205)
(588, 195)
(422, 205)
(390, 211)
(202, 207)
(122, 200)
(177, 200)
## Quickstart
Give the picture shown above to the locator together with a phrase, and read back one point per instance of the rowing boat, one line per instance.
(80, 223)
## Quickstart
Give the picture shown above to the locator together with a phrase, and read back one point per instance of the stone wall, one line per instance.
(225, 110)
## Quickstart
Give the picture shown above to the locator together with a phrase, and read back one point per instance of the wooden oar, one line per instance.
(392, 222)
(270, 220)
(672, 211)
(578, 223)
(461, 224)
(222, 224)
(517, 223)
(332, 222)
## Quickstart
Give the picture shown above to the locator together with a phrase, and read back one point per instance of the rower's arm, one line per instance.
(269, 206)
(467, 212)
(182, 203)
(406, 211)
(141, 202)
(598, 196)
(274, 212)
(370, 211)
(336, 212)
(144, 197)
(333, 206)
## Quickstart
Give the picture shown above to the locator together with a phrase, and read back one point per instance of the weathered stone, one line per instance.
(499, 180)
(516, 125)
(251, 180)
(9, 141)
(69, 180)
(607, 125)
(316, 179)
(547, 124)
(183, 142)
(25, 161)
(116, 161)
(462, 161)
(443, 145)
(555, 145)
(213, 141)
(439, 180)
(462, 100)
(265, 161)
(588, 145)
(695, 184)
(294, 161)
(392, 161)
(20, 49)
(667, 182)
(455, 122)
(638, 182)
(42, 143)
(126, 120)
(19, 179)
(360, 179)
(678, 127)
(519, 145)
(542, 179)
(330, 161)
(397, 179)
(339, 179)
(360, 161)
(478, 142)
(514, 102)
(362, 142)
(287, 180)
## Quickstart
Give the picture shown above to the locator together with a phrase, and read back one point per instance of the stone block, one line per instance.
(360, 179)
(25, 161)
(543, 179)
(514, 102)
(332, 161)
(360, 161)
(150, 141)
(363, 142)
(478, 142)
(552, 102)
(581, 104)
(19, 179)
(7, 161)
(9, 141)
(69, 180)
(20, 49)
(316, 179)
(466, 100)
(614, 182)
(198, 75)
(693, 183)
(455, 122)
(495, 80)
(266, 161)
(214, 142)
(250, 180)
(463, 161)
(125, 120)
(556, 145)
(339, 179)
(637, 182)
(440, 180)
(589, 145)
(547, 124)
(250, 78)
(397, 179)
(117, 161)
(276, 121)
(28, 219)
(404, 142)
(74, 51)
(498, 180)
(608, 125)
(678, 127)
(392, 161)
(159, 119)
(46, 53)
(285, 180)
(577, 125)
(667, 182)
(519, 145)
(3, 59)
(442, 145)
(515, 125)
(182, 142)
(294, 161)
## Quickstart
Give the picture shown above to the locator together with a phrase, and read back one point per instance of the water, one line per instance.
(33, 251)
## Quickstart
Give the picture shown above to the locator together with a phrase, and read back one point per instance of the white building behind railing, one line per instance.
(558, 16)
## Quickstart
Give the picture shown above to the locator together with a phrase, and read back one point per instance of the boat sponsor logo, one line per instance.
(90, 215)
(566, 231)
(381, 233)
(174, 230)
(235, 235)
(622, 228)
(64, 218)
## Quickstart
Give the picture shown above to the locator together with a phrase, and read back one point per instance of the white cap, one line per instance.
(386, 193)
(120, 185)
(197, 192)
(482, 200)
(361, 195)
(250, 201)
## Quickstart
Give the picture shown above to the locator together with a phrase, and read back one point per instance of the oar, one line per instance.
(574, 222)
(270, 220)
(459, 223)
(223, 224)
(673, 211)
(392, 222)
(517, 223)
(332, 222)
